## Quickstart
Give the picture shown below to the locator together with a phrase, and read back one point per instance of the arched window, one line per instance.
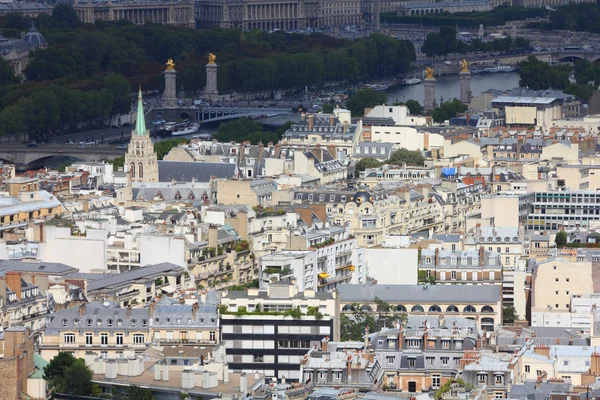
(191, 196)
(400, 308)
(366, 308)
(487, 309)
(132, 172)
(417, 308)
(141, 171)
(177, 196)
(348, 308)
(451, 308)
(137, 149)
(487, 324)
(435, 308)
(160, 195)
(469, 309)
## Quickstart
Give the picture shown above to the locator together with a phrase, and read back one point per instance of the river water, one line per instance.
(448, 87)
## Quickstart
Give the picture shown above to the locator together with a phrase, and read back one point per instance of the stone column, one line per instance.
(210, 91)
(429, 100)
(169, 98)
(465, 87)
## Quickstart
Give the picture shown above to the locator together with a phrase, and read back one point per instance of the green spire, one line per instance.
(140, 122)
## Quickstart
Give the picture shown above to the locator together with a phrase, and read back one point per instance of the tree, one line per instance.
(423, 278)
(561, 239)
(405, 156)
(137, 393)
(117, 162)
(538, 75)
(364, 98)
(120, 89)
(54, 372)
(414, 107)
(78, 379)
(367, 162)
(65, 14)
(328, 108)
(509, 315)
(7, 73)
(163, 147)
(434, 45)
(448, 110)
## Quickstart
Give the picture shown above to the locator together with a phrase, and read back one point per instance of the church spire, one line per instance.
(140, 122)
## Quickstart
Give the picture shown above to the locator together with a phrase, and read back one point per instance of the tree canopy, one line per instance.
(69, 375)
(405, 156)
(573, 17)
(448, 110)
(561, 239)
(539, 75)
(364, 98)
(367, 162)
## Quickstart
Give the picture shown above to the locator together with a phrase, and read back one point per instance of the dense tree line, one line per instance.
(445, 42)
(398, 157)
(365, 98)
(448, 110)
(498, 16)
(574, 17)
(82, 58)
(245, 129)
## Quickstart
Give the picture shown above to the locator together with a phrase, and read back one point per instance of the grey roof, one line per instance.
(420, 293)
(49, 268)
(116, 280)
(262, 294)
(530, 391)
(198, 171)
(98, 316)
(169, 313)
(455, 237)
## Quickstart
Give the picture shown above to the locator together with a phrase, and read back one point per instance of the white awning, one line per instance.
(168, 289)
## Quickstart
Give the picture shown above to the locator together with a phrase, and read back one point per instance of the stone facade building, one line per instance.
(178, 12)
(141, 159)
(16, 51)
(271, 15)
(16, 362)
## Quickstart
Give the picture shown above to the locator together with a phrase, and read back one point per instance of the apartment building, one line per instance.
(414, 357)
(103, 329)
(480, 267)
(274, 342)
(482, 303)
(551, 211)
(506, 209)
(506, 242)
(17, 211)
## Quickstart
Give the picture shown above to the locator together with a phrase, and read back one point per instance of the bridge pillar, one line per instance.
(169, 98)
(210, 91)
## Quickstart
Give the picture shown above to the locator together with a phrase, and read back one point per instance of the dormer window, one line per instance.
(99, 322)
(88, 322)
(64, 322)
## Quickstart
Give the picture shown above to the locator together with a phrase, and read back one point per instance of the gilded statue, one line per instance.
(212, 59)
(464, 66)
(429, 73)
(170, 65)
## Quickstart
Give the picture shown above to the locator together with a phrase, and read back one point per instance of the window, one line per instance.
(481, 378)
(429, 360)
(99, 322)
(104, 354)
(69, 338)
(133, 322)
(104, 339)
(119, 339)
(412, 361)
(499, 379)
(528, 368)
(566, 363)
(390, 359)
(212, 336)
(567, 279)
(445, 344)
(138, 338)
(435, 381)
(258, 358)
(110, 322)
(453, 275)
(445, 360)
(414, 343)
(64, 322)
(89, 339)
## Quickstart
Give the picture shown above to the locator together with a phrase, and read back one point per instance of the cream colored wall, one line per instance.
(231, 192)
(573, 278)
(178, 154)
(462, 148)
(504, 210)
(558, 150)
(534, 366)
(274, 166)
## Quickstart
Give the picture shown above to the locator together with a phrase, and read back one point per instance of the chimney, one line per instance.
(542, 350)
(213, 236)
(82, 310)
(400, 337)
(441, 320)
(366, 338)
(331, 150)
(425, 335)
(151, 309)
(324, 343)
(481, 253)
(194, 311)
(349, 364)
(331, 120)
(128, 311)
(318, 152)
(345, 126)
(311, 122)
(303, 116)
(13, 281)
(437, 257)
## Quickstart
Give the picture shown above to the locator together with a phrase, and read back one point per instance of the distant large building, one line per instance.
(271, 15)
(171, 12)
(16, 51)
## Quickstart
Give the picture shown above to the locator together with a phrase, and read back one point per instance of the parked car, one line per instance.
(32, 144)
